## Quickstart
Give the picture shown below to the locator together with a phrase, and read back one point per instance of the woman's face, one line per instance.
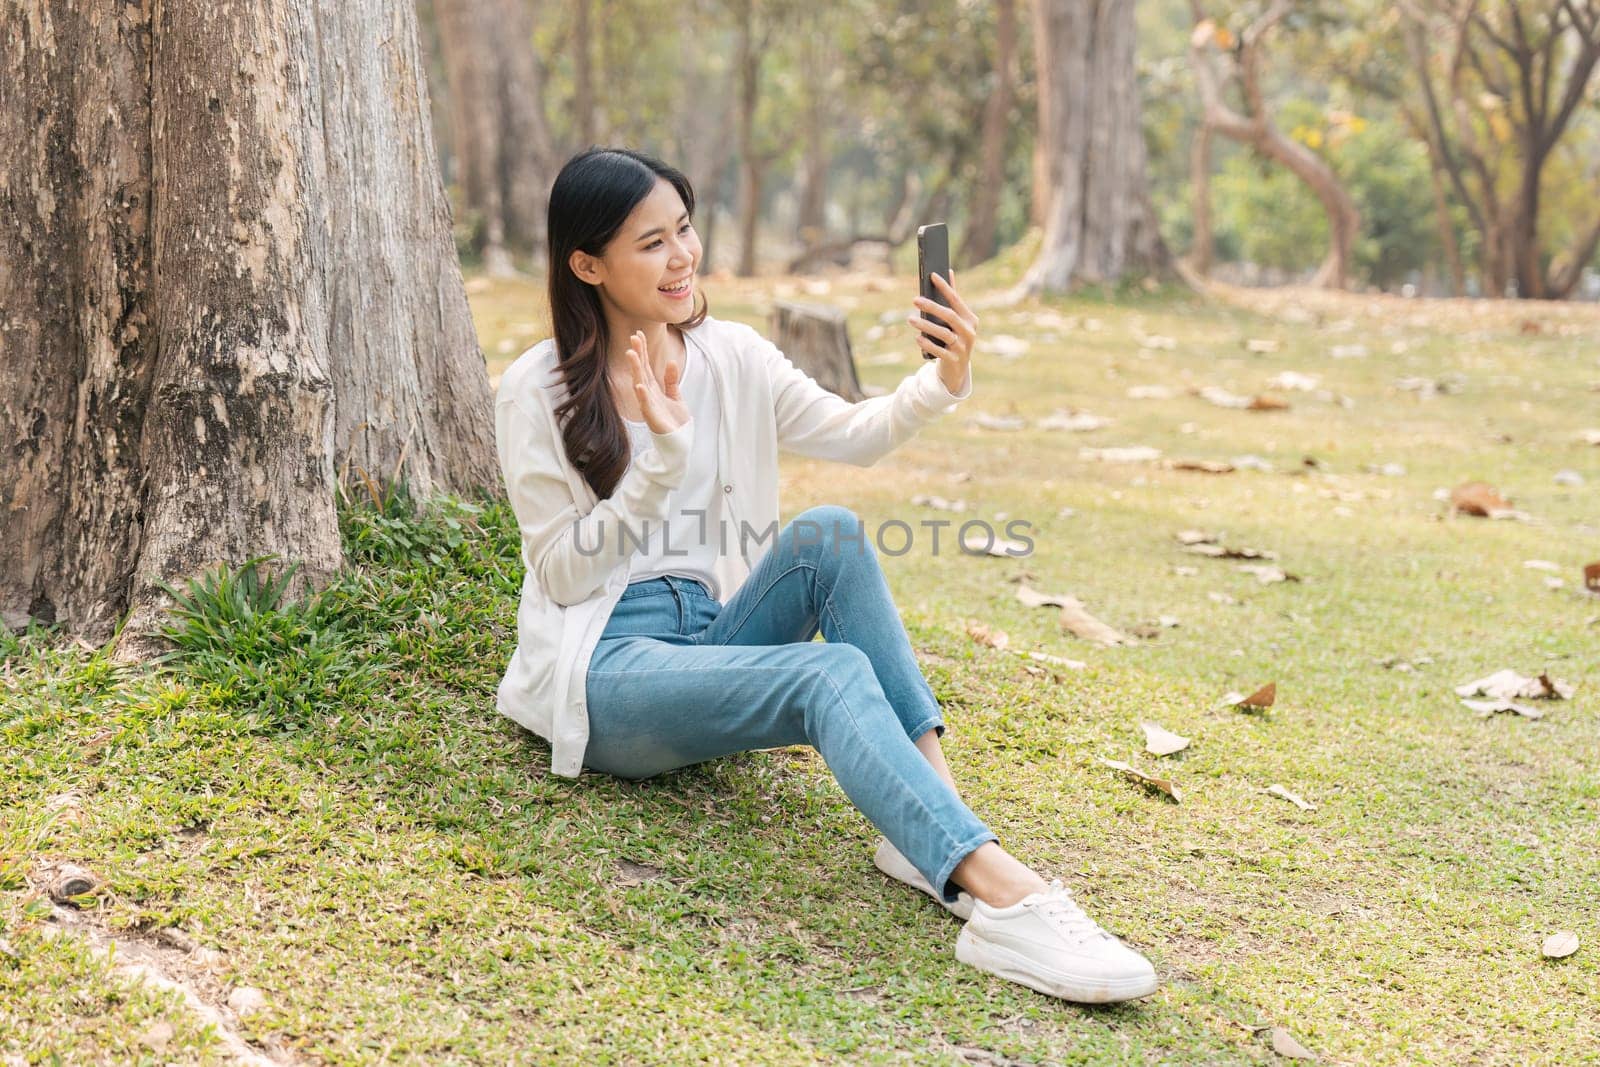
(647, 271)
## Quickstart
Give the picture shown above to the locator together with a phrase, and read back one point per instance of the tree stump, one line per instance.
(814, 338)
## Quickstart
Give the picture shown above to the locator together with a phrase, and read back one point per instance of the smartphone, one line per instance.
(933, 256)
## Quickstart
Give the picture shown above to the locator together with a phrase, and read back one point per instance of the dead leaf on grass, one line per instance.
(1000, 422)
(1204, 544)
(1559, 945)
(939, 502)
(1486, 708)
(1509, 685)
(985, 636)
(1261, 698)
(1157, 392)
(1205, 466)
(1072, 421)
(1054, 660)
(976, 544)
(1284, 1044)
(1482, 500)
(1267, 574)
(1163, 785)
(1294, 381)
(1160, 742)
(1268, 402)
(1279, 791)
(1591, 577)
(1073, 616)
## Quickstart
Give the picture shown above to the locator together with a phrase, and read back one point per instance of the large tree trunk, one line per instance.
(502, 142)
(204, 296)
(1100, 226)
(982, 237)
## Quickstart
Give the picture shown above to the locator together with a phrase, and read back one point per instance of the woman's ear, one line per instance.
(588, 268)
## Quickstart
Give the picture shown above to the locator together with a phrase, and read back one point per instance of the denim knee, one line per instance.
(832, 533)
(841, 672)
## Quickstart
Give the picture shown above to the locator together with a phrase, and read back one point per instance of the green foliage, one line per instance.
(392, 529)
(280, 661)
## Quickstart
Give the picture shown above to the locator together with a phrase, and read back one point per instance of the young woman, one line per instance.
(640, 448)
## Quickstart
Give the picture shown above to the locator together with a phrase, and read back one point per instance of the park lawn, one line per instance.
(327, 801)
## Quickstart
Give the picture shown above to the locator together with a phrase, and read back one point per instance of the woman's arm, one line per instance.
(531, 457)
(823, 425)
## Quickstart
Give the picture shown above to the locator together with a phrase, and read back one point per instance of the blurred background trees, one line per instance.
(1448, 146)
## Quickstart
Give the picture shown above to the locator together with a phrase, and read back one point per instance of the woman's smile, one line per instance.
(678, 290)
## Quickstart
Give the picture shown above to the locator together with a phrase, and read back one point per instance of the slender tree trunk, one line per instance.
(583, 103)
(1100, 227)
(502, 143)
(1203, 254)
(751, 166)
(982, 237)
(1045, 157)
(200, 289)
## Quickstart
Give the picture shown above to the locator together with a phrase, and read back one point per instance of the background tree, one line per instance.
(1100, 226)
(1256, 128)
(503, 152)
(1502, 86)
(229, 277)
(982, 237)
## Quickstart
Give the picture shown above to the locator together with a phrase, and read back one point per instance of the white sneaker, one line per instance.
(889, 860)
(1046, 942)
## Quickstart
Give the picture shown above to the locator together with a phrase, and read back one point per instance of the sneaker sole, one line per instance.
(961, 909)
(1003, 963)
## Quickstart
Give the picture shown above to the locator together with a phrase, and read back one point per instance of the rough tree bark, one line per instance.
(1100, 226)
(982, 237)
(505, 159)
(226, 247)
(1256, 129)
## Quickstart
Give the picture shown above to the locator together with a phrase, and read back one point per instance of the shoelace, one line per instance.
(1057, 907)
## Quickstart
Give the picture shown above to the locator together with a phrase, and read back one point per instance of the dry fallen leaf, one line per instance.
(1486, 708)
(1072, 421)
(1484, 501)
(1058, 661)
(1560, 945)
(1163, 785)
(1262, 346)
(976, 544)
(1284, 1044)
(1073, 616)
(1206, 545)
(1222, 398)
(1509, 685)
(1279, 791)
(1591, 577)
(1000, 422)
(1159, 742)
(1294, 380)
(1268, 402)
(1153, 392)
(985, 636)
(1205, 466)
(939, 502)
(1267, 574)
(1261, 698)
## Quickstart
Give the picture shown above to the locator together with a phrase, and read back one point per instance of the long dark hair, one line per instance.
(592, 197)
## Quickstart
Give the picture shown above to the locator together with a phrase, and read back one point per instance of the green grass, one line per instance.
(323, 793)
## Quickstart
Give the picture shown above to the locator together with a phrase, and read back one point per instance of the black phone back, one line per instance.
(933, 256)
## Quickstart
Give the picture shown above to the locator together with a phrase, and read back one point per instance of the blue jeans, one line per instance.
(678, 678)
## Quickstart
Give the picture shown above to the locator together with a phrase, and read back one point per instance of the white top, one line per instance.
(688, 542)
(569, 589)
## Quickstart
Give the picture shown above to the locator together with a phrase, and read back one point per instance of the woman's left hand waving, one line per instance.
(959, 336)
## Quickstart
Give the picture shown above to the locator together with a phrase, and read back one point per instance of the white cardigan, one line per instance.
(567, 596)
